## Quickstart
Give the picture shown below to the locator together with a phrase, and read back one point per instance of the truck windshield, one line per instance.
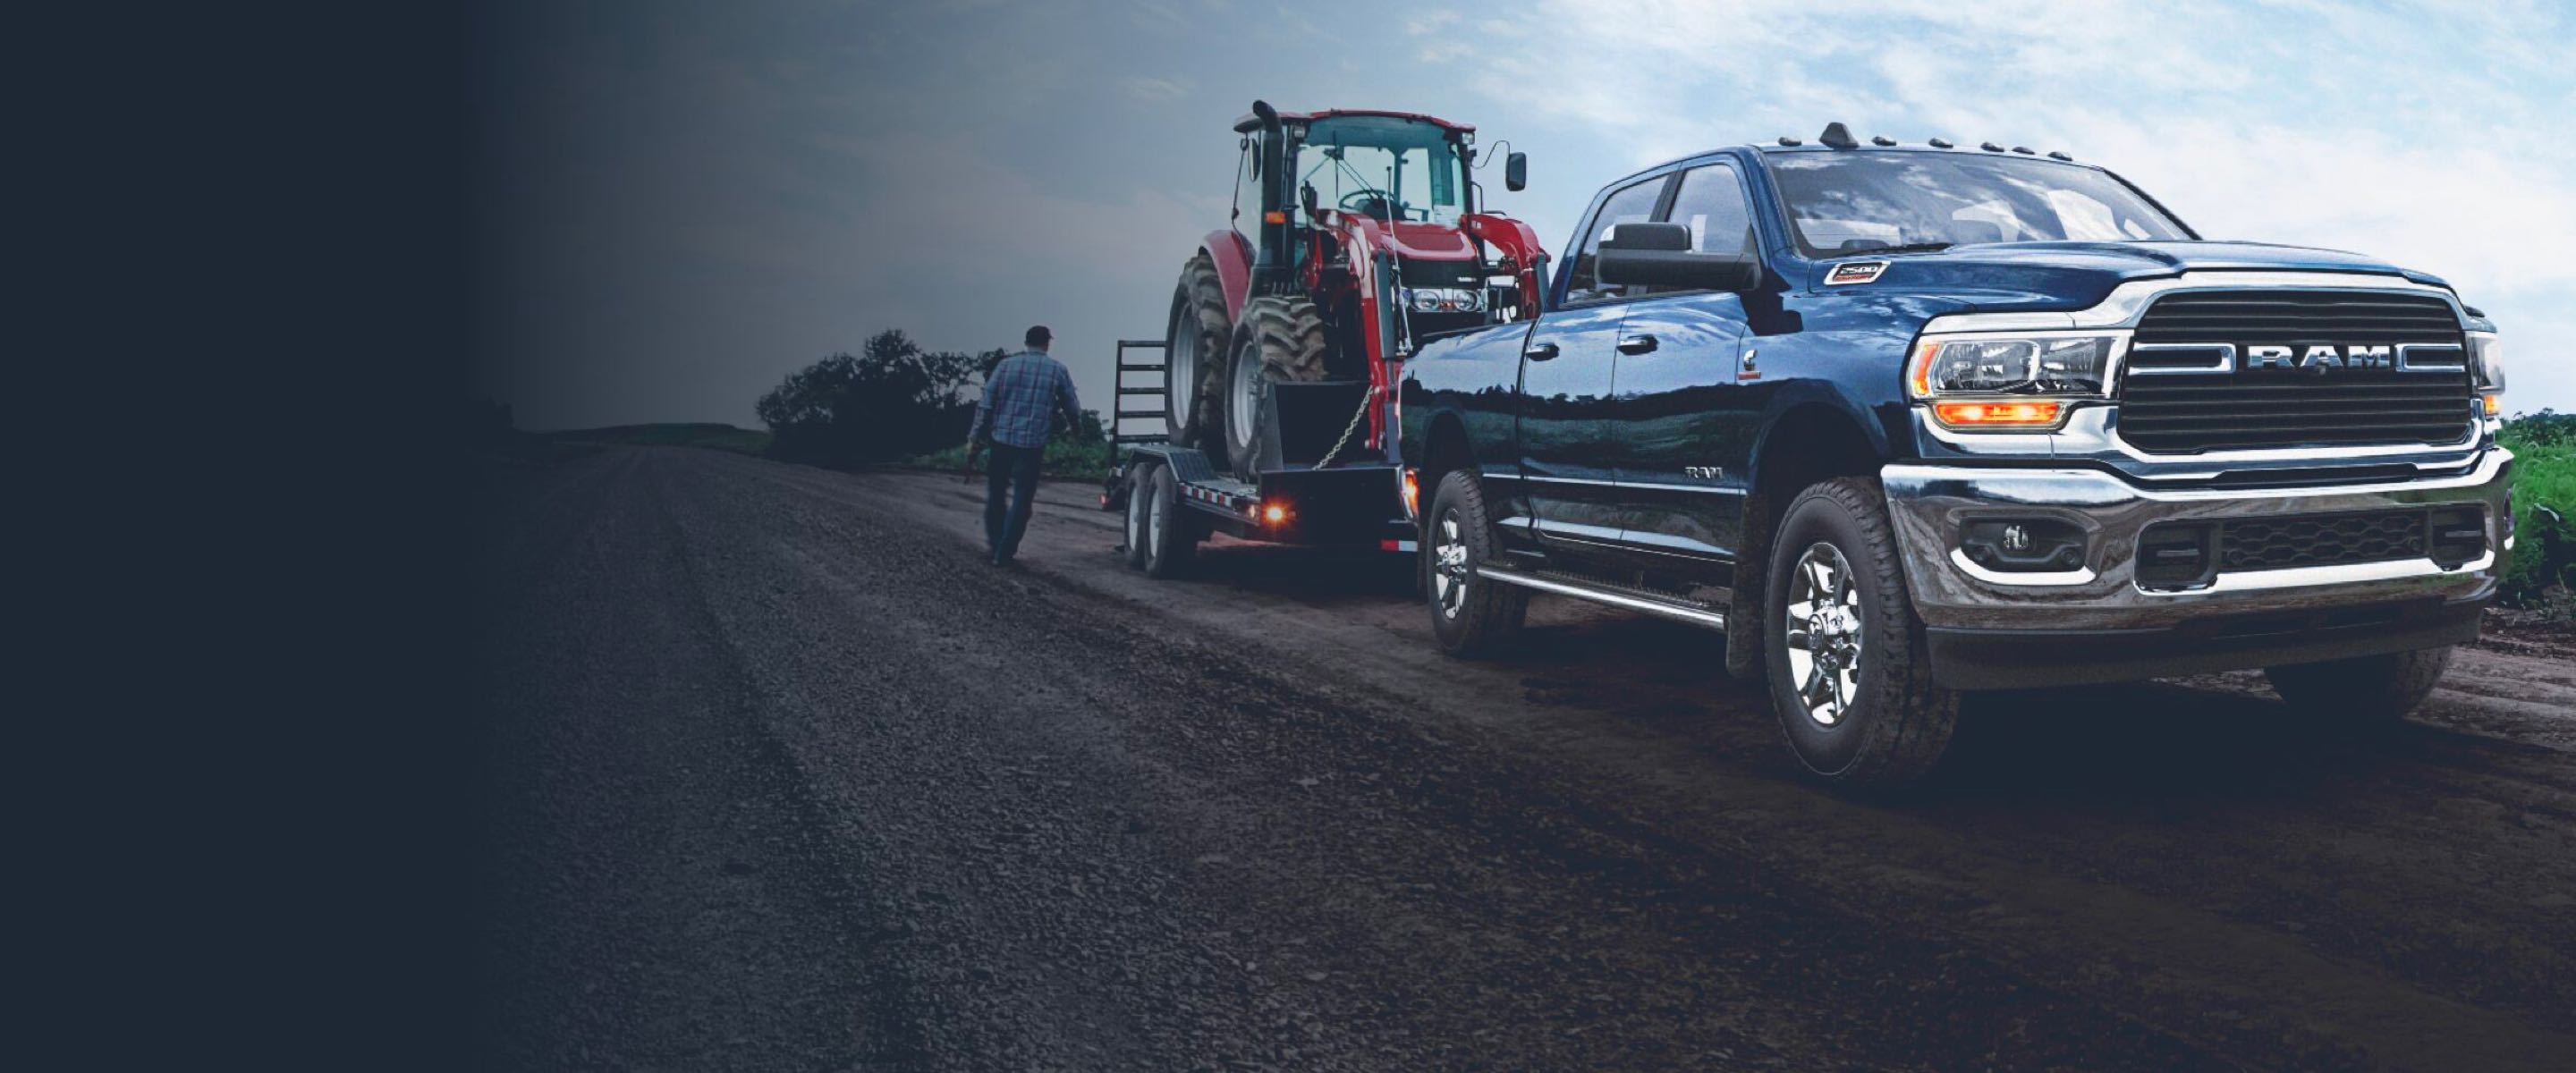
(1843, 203)
(1393, 169)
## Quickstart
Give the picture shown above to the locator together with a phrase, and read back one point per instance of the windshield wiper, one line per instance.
(1910, 247)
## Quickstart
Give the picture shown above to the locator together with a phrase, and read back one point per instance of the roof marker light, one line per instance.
(2022, 149)
(1990, 147)
(1942, 143)
(2055, 155)
(1876, 139)
(1790, 141)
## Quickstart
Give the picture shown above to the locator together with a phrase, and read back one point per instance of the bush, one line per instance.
(2544, 509)
(895, 401)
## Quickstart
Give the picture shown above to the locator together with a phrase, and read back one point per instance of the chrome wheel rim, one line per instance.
(1448, 566)
(1245, 396)
(1822, 619)
(1181, 361)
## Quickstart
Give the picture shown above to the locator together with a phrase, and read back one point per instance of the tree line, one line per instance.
(893, 401)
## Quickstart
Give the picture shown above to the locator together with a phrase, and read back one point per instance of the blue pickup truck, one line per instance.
(1911, 421)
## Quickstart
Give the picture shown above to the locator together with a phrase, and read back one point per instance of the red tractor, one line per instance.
(1366, 239)
(1358, 235)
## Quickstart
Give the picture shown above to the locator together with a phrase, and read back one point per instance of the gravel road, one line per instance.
(779, 775)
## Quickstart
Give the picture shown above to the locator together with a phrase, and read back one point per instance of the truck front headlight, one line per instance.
(2486, 359)
(2013, 376)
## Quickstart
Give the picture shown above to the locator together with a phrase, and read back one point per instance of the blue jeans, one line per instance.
(1015, 470)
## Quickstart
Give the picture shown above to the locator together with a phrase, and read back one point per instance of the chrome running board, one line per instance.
(1703, 617)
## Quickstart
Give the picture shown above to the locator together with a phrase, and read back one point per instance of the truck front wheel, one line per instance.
(1850, 676)
(1473, 616)
(2361, 693)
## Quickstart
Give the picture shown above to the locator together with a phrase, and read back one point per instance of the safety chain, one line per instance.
(1365, 399)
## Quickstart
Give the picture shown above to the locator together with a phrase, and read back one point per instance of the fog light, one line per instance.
(2176, 556)
(2023, 545)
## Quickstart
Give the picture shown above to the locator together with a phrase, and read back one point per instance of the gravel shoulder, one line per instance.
(783, 777)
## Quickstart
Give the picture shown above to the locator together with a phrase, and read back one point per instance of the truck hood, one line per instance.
(2009, 276)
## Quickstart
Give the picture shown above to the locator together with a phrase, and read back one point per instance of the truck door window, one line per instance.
(1712, 203)
(1631, 204)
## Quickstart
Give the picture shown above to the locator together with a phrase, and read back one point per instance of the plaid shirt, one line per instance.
(1024, 392)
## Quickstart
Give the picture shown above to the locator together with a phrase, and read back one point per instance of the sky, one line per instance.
(680, 203)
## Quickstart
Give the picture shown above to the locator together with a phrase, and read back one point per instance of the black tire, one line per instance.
(1140, 505)
(1172, 533)
(2364, 693)
(1278, 340)
(1473, 616)
(1195, 342)
(1885, 724)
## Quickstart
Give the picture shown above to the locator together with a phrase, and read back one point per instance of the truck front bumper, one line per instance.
(1991, 629)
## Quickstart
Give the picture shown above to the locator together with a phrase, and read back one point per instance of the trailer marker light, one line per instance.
(1997, 414)
(1274, 514)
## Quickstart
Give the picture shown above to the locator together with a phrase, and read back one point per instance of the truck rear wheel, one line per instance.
(1279, 339)
(1850, 676)
(2363, 693)
(1473, 616)
(1171, 534)
(1194, 351)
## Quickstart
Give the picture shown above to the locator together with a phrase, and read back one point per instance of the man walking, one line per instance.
(1021, 400)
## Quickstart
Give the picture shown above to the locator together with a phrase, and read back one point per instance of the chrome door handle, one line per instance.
(1636, 344)
(1539, 351)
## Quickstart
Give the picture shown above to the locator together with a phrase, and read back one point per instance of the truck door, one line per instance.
(1684, 419)
(1566, 438)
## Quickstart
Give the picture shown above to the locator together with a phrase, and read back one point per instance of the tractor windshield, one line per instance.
(1381, 166)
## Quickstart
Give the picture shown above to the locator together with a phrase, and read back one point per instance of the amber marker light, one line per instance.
(1922, 373)
(1273, 514)
(2493, 404)
(1412, 494)
(1274, 217)
(1997, 414)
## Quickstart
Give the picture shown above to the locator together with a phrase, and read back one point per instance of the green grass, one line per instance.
(2544, 474)
(698, 434)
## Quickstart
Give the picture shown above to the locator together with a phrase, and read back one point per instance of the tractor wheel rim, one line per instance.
(1244, 400)
(1821, 629)
(1181, 364)
(1448, 566)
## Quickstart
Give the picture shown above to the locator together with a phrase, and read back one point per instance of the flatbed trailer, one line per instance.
(1322, 492)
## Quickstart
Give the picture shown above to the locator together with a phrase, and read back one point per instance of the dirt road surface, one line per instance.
(781, 776)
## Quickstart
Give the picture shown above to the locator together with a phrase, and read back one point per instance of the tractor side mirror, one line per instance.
(1516, 172)
(1660, 255)
(1306, 200)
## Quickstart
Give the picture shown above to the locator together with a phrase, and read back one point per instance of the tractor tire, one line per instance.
(1473, 616)
(1278, 340)
(1194, 349)
(1140, 506)
(1171, 530)
(2360, 695)
(1851, 676)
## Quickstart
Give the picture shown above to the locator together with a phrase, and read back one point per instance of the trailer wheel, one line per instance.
(1473, 616)
(1194, 352)
(2361, 694)
(1140, 506)
(1279, 339)
(1851, 677)
(1171, 534)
